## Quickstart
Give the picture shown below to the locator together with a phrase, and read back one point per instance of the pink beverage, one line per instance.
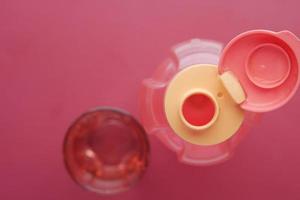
(181, 106)
(106, 151)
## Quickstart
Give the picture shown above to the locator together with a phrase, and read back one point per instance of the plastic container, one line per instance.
(106, 151)
(201, 107)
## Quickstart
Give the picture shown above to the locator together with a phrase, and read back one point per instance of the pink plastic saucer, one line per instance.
(267, 66)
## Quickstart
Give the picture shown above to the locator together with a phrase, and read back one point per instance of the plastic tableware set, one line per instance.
(200, 102)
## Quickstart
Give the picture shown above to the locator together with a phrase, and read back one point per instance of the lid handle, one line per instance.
(233, 86)
(291, 39)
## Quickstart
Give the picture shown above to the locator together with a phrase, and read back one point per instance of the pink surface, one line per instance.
(60, 58)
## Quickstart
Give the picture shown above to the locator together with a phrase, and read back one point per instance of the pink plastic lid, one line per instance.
(267, 66)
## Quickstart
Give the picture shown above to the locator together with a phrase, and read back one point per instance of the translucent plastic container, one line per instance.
(153, 114)
(202, 100)
(106, 151)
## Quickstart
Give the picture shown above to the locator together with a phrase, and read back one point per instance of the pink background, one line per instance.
(59, 58)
